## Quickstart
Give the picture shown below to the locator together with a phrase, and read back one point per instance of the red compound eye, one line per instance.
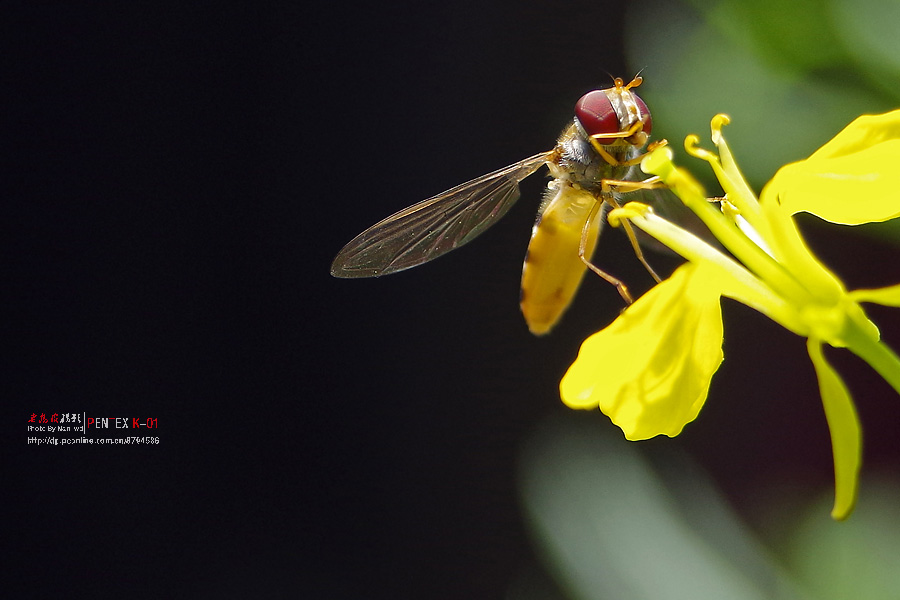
(596, 114)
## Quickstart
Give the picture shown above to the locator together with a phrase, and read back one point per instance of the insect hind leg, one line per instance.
(582, 249)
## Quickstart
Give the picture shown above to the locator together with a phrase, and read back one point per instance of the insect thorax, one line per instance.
(579, 164)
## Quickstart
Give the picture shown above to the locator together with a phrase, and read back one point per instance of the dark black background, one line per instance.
(178, 180)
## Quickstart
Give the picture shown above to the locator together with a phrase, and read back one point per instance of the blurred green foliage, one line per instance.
(619, 521)
(861, 560)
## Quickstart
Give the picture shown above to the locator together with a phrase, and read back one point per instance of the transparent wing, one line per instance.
(433, 227)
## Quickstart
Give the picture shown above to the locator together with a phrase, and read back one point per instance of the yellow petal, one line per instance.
(853, 179)
(650, 370)
(846, 436)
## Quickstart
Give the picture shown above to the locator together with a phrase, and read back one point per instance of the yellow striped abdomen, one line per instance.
(552, 271)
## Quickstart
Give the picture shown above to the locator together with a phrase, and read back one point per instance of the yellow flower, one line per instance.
(673, 334)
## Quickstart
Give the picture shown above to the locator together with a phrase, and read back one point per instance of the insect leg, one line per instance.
(610, 159)
(620, 286)
(610, 185)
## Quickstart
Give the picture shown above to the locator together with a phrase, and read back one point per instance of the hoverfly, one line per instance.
(594, 163)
